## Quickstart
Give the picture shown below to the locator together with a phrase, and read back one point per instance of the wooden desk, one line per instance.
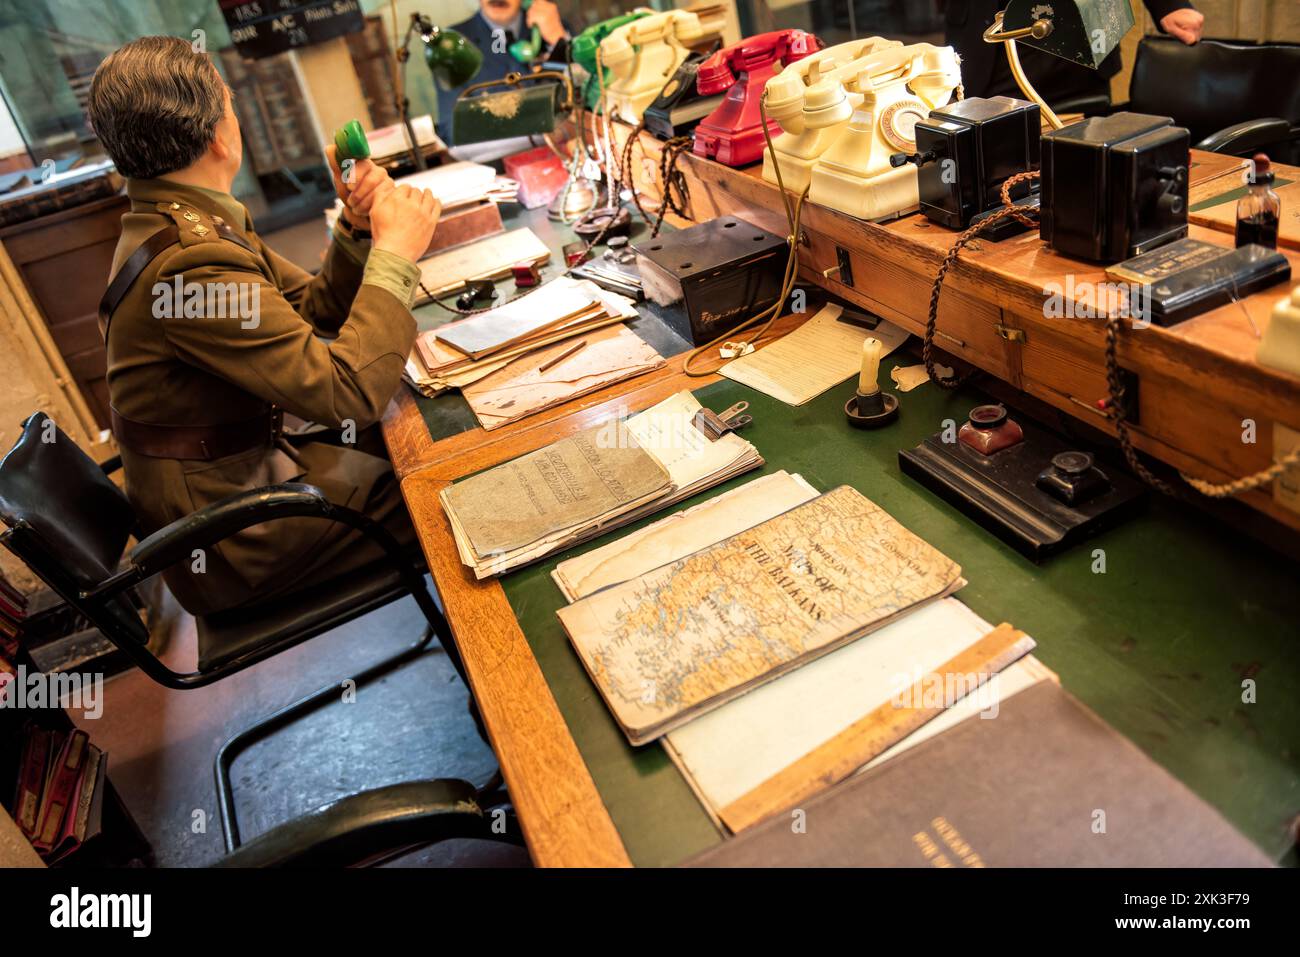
(1154, 656)
(1198, 381)
(562, 815)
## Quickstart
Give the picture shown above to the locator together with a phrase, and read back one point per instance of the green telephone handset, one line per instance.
(350, 142)
(526, 50)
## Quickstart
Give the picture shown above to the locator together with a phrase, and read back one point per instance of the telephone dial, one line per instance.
(895, 89)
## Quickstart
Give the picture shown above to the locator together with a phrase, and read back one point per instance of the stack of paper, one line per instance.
(686, 638)
(727, 753)
(461, 184)
(453, 184)
(462, 352)
(549, 376)
(817, 356)
(388, 141)
(488, 258)
(584, 485)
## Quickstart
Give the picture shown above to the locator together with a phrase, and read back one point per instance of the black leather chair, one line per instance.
(70, 524)
(1237, 98)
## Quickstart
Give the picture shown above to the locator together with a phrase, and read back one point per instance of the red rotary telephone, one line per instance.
(733, 133)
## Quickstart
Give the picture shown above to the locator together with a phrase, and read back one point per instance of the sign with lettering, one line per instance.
(261, 28)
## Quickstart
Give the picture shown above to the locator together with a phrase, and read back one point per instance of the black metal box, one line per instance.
(968, 150)
(725, 270)
(1114, 186)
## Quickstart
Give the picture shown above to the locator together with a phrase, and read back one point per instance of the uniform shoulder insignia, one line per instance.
(195, 226)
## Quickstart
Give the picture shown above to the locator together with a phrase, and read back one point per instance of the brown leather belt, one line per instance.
(196, 441)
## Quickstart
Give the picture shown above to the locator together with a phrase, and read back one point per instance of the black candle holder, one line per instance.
(872, 410)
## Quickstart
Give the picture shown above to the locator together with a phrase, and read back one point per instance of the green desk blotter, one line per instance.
(1158, 645)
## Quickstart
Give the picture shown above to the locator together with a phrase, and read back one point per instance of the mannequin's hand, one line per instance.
(546, 16)
(403, 221)
(365, 184)
(1184, 24)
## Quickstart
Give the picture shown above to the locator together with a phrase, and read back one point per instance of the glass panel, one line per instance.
(838, 21)
(49, 50)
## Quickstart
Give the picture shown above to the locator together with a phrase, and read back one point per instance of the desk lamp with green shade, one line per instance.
(452, 60)
(1082, 31)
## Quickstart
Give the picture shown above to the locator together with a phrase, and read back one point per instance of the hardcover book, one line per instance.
(1046, 783)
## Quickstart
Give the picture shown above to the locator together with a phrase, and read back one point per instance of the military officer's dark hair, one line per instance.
(154, 104)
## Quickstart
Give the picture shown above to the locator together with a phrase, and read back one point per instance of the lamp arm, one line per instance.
(1039, 30)
(420, 24)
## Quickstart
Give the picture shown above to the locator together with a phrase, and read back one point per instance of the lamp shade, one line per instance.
(452, 59)
(1083, 31)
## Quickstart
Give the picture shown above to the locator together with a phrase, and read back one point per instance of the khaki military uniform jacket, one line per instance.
(328, 348)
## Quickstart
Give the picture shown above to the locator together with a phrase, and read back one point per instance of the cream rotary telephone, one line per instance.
(801, 143)
(893, 89)
(643, 55)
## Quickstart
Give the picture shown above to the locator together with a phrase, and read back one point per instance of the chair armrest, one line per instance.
(213, 523)
(366, 825)
(1247, 136)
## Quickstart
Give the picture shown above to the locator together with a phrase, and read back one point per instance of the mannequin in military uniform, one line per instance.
(210, 333)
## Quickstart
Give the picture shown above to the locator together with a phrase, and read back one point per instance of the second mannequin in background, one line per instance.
(986, 72)
(497, 25)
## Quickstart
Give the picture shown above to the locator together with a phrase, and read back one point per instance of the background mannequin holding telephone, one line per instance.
(498, 28)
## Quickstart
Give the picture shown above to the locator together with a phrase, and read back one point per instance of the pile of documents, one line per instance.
(489, 258)
(462, 184)
(465, 351)
(820, 354)
(588, 483)
(454, 185)
(733, 632)
(689, 636)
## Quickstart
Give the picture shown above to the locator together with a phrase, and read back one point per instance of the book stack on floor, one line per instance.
(586, 484)
(59, 803)
(13, 612)
(802, 654)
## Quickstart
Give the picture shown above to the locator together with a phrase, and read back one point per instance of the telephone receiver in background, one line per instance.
(350, 145)
(527, 49)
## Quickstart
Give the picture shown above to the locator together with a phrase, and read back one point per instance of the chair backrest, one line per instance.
(68, 522)
(1215, 83)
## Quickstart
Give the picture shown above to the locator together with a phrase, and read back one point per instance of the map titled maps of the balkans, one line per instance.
(692, 634)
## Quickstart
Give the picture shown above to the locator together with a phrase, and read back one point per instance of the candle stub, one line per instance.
(871, 350)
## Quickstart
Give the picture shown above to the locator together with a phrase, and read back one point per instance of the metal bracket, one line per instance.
(842, 271)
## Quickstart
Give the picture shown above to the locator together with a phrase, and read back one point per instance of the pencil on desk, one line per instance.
(552, 363)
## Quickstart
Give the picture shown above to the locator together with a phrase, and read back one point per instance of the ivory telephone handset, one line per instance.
(643, 55)
(894, 90)
(798, 145)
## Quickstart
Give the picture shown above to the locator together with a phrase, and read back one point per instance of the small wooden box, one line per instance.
(464, 224)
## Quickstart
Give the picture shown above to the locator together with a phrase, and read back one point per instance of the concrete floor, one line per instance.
(410, 725)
